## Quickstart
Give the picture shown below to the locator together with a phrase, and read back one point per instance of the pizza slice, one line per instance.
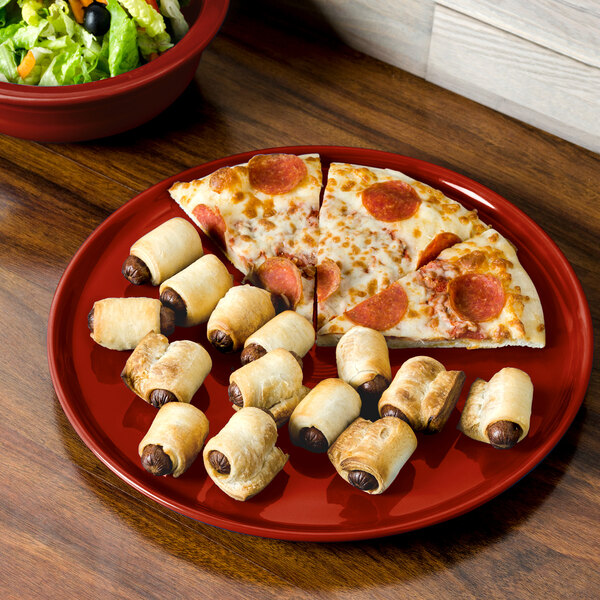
(376, 225)
(264, 215)
(475, 294)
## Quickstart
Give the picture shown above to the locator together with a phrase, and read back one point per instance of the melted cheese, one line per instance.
(371, 253)
(430, 319)
(258, 225)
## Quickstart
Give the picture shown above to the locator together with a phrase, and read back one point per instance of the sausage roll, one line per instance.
(242, 458)
(272, 382)
(498, 412)
(287, 330)
(174, 439)
(194, 292)
(159, 372)
(363, 360)
(162, 252)
(242, 311)
(121, 323)
(323, 414)
(369, 455)
(423, 394)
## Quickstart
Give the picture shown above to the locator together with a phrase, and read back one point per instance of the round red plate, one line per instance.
(448, 475)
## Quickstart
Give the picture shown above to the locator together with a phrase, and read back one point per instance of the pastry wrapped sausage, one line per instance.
(498, 412)
(194, 292)
(323, 414)
(272, 382)
(242, 311)
(162, 252)
(369, 455)
(121, 323)
(174, 439)
(287, 330)
(363, 361)
(242, 458)
(423, 394)
(159, 372)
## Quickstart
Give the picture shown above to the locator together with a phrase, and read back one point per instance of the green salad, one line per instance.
(64, 42)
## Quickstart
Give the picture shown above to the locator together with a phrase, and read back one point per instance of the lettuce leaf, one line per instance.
(9, 31)
(152, 45)
(145, 16)
(123, 52)
(29, 11)
(8, 66)
(171, 9)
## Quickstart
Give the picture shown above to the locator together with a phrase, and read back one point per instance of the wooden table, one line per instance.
(73, 529)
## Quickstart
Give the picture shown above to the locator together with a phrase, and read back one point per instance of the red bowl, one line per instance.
(86, 111)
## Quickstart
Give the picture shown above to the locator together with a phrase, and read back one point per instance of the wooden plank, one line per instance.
(517, 77)
(571, 28)
(83, 539)
(395, 32)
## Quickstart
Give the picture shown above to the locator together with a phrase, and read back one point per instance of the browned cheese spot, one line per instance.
(251, 208)
(268, 208)
(266, 224)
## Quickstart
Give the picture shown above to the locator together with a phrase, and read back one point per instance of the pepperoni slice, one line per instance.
(220, 179)
(282, 277)
(276, 173)
(440, 242)
(211, 221)
(477, 297)
(381, 311)
(391, 200)
(329, 277)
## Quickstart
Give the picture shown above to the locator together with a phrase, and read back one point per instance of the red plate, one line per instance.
(448, 474)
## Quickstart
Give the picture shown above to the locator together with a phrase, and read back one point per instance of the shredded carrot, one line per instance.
(153, 4)
(26, 65)
(77, 9)
(86, 3)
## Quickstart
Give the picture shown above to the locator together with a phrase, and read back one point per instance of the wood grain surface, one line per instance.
(73, 529)
(516, 76)
(570, 28)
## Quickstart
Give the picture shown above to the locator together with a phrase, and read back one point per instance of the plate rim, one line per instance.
(320, 534)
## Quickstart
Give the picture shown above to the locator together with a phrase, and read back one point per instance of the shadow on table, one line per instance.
(311, 567)
(192, 109)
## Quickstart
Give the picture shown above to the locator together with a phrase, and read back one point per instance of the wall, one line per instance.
(535, 60)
